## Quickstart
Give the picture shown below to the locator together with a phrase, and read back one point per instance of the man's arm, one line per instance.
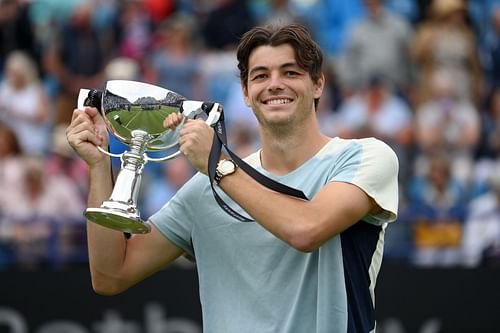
(305, 225)
(115, 262)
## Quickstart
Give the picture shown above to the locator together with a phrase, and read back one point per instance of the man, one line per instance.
(303, 266)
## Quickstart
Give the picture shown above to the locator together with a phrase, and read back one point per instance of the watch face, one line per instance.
(227, 167)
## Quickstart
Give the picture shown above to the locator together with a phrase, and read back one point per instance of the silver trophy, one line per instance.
(134, 113)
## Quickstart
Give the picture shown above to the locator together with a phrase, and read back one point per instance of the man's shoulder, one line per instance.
(368, 149)
(362, 143)
(379, 149)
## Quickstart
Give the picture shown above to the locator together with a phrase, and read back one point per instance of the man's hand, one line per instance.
(195, 140)
(86, 131)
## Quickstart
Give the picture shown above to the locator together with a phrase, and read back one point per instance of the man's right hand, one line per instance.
(86, 131)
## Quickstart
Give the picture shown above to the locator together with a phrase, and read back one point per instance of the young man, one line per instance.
(303, 266)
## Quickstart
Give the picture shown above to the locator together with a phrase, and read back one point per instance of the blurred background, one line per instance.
(422, 75)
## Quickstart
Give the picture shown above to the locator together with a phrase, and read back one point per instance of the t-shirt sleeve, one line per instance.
(372, 166)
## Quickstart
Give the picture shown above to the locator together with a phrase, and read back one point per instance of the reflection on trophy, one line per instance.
(134, 113)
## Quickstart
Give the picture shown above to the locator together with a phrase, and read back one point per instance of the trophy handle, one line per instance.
(191, 109)
(109, 153)
(82, 95)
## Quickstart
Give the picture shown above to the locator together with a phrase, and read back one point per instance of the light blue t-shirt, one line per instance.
(251, 281)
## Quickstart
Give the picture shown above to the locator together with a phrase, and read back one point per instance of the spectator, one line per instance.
(490, 51)
(175, 63)
(436, 211)
(226, 23)
(53, 197)
(481, 244)
(488, 150)
(135, 30)
(16, 30)
(75, 59)
(490, 129)
(376, 111)
(445, 42)
(24, 104)
(446, 123)
(10, 162)
(378, 44)
(11, 175)
(31, 209)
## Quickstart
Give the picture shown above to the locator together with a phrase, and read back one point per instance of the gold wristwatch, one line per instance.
(224, 168)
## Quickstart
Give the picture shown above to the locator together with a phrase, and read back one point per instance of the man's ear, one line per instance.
(244, 90)
(318, 89)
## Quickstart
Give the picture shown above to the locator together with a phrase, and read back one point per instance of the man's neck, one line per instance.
(284, 153)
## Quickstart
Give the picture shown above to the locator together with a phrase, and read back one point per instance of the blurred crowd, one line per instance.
(424, 76)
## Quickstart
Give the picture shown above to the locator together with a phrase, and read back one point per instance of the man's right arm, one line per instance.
(116, 263)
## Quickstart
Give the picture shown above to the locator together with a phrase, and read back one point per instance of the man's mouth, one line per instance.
(278, 101)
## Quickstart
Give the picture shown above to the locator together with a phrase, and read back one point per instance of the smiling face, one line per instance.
(278, 90)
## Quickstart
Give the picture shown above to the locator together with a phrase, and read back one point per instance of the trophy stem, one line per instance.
(120, 211)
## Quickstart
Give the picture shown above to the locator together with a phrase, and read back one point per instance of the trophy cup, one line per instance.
(134, 113)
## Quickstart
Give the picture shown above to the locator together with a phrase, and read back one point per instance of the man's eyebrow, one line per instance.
(283, 66)
(258, 69)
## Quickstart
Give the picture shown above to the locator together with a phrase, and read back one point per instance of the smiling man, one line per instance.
(303, 265)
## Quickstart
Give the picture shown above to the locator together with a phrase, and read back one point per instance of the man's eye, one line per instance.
(259, 77)
(291, 73)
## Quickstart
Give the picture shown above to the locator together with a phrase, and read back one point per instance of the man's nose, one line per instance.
(275, 82)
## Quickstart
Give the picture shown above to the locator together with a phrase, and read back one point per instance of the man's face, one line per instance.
(278, 90)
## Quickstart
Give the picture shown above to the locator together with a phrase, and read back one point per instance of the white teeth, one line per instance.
(279, 101)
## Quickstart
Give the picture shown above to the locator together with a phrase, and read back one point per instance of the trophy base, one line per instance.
(117, 220)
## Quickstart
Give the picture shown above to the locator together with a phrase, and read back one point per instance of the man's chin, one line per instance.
(278, 121)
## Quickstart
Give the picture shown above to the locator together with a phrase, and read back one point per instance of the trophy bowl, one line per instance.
(134, 113)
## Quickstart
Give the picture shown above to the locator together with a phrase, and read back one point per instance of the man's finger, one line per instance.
(92, 112)
(172, 120)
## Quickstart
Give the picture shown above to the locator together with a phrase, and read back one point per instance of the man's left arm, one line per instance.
(305, 225)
